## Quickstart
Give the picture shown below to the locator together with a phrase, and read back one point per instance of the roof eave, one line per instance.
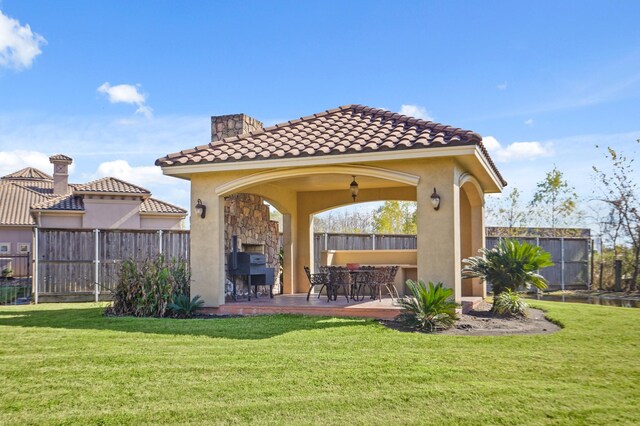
(430, 152)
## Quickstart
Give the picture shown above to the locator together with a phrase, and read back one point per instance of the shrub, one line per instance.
(183, 307)
(6, 273)
(510, 265)
(147, 289)
(510, 304)
(429, 309)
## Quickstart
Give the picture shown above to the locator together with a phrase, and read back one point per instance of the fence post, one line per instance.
(36, 256)
(373, 241)
(593, 255)
(617, 267)
(96, 233)
(160, 248)
(326, 241)
(562, 261)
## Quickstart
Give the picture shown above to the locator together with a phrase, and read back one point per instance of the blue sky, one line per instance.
(116, 84)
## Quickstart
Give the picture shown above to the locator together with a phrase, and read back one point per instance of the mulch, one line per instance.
(482, 322)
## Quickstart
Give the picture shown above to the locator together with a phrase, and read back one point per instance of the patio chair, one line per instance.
(363, 279)
(339, 278)
(318, 279)
(390, 284)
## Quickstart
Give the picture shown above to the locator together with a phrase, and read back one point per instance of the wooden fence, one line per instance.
(74, 264)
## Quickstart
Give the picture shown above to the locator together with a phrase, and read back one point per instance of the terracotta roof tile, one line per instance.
(112, 185)
(67, 202)
(152, 205)
(60, 157)
(16, 203)
(28, 173)
(344, 130)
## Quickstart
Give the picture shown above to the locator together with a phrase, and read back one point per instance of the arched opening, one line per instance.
(471, 230)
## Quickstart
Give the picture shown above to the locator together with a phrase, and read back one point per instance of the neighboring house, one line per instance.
(30, 198)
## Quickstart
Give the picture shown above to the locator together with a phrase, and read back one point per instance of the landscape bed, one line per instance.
(70, 364)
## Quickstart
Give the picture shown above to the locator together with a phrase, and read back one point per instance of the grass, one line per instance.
(67, 364)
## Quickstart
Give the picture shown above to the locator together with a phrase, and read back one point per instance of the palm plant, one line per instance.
(510, 304)
(183, 307)
(510, 265)
(430, 308)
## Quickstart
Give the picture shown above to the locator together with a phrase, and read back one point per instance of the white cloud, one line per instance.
(139, 175)
(18, 44)
(12, 161)
(416, 111)
(127, 94)
(529, 122)
(502, 86)
(517, 150)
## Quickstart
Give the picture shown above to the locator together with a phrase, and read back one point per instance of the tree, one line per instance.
(619, 192)
(507, 211)
(555, 200)
(395, 217)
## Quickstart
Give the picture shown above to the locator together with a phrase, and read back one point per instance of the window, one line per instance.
(5, 248)
(24, 247)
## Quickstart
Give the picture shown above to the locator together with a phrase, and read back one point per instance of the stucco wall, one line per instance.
(16, 235)
(111, 214)
(60, 220)
(155, 222)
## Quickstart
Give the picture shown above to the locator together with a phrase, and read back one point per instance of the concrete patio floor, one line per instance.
(298, 304)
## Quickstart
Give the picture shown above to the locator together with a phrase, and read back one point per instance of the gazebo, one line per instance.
(305, 166)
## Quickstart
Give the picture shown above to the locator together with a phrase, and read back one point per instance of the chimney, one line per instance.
(60, 173)
(224, 126)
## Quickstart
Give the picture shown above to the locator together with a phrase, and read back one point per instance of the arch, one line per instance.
(467, 182)
(238, 185)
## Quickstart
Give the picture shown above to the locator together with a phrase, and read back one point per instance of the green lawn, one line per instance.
(66, 364)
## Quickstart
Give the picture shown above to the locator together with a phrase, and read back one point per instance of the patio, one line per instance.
(297, 304)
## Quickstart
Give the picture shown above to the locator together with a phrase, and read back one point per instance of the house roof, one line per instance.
(344, 130)
(30, 189)
(152, 205)
(111, 185)
(16, 204)
(28, 173)
(67, 202)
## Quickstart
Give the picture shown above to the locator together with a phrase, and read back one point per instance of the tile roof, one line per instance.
(16, 203)
(111, 185)
(152, 205)
(344, 130)
(60, 157)
(67, 202)
(28, 173)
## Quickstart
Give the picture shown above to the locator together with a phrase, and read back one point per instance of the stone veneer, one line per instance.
(224, 126)
(247, 216)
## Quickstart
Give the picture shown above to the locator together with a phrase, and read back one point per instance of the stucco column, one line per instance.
(207, 246)
(289, 248)
(478, 242)
(304, 247)
(439, 230)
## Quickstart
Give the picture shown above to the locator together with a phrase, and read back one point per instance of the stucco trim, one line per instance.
(467, 177)
(274, 175)
(431, 152)
(485, 163)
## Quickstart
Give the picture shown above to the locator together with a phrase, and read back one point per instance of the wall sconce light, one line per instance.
(354, 188)
(201, 209)
(435, 200)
